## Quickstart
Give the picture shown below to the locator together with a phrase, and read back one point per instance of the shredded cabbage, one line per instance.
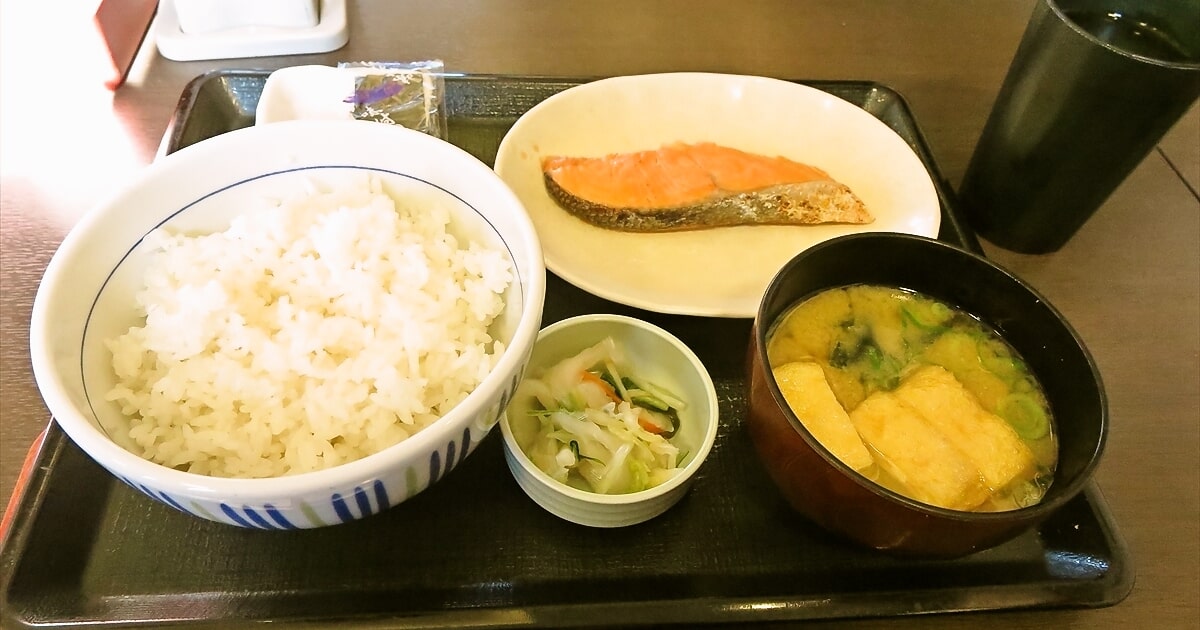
(598, 428)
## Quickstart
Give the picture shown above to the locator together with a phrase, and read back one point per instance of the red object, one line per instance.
(121, 26)
(22, 482)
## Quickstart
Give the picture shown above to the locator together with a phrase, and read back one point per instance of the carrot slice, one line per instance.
(648, 422)
(591, 377)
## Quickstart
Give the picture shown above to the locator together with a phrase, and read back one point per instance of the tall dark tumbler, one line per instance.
(1092, 88)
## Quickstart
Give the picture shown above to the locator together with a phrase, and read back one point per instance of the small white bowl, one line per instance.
(306, 93)
(660, 357)
(87, 296)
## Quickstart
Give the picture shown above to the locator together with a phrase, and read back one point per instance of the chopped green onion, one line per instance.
(1025, 416)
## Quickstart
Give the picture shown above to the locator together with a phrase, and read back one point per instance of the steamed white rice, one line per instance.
(308, 334)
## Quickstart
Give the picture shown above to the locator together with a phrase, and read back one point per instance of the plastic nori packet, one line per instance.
(408, 94)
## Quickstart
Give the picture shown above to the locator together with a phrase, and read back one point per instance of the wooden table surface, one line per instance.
(1129, 281)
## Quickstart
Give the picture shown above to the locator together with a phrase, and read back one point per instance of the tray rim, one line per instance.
(1109, 590)
(1116, 584)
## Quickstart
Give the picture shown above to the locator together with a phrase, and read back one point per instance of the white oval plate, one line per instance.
(717, 272)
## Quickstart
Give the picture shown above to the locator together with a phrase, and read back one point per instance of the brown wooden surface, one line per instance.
(1129, 281)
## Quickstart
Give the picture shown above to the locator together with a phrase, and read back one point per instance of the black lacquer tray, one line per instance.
(473, 550)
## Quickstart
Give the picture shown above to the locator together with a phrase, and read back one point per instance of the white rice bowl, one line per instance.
(338, 402)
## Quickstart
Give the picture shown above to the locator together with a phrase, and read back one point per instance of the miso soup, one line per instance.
(948, 412)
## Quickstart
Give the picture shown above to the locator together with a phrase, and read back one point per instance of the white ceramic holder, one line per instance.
(248, 39)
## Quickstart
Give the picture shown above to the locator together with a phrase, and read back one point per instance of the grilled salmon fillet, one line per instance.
(697, 186)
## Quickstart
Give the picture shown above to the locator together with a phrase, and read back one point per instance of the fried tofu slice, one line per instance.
(808, 394)
(929, 467)
(813, 336)
(985, 438)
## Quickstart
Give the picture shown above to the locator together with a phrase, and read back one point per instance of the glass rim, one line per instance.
(1056, 7)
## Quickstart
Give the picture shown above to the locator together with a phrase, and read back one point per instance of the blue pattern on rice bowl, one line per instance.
(336, 508)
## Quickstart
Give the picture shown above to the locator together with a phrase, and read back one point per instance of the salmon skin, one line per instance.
(697, 186)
